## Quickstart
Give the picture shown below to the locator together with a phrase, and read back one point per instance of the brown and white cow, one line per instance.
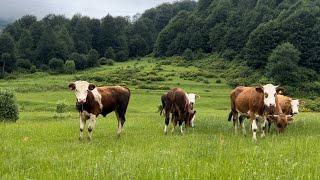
(289, 107)
(92, 101)
(177, 103)
(255, 102)
(192, 100)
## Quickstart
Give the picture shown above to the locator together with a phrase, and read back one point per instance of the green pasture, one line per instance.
(39, 146)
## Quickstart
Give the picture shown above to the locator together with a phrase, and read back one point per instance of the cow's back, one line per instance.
(285, 104)
(114, 97)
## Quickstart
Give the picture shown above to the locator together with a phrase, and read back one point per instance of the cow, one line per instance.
(93, 101)
(256, 103)
(177, 103)
(192, 99)
(289, 107)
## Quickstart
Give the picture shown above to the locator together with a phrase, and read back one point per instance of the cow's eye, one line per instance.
(265, 95)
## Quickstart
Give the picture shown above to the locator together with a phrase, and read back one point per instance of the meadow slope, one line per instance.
(39, 146)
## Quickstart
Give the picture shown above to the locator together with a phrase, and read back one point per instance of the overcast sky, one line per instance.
(92, 8)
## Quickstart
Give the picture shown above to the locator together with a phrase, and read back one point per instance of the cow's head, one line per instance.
(190, 114)
(281, 121)
(192, 97)
(270, 91)
(81, 88)
(295, 105)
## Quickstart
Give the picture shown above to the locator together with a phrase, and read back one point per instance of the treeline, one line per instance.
(278, 38)
(57, 44)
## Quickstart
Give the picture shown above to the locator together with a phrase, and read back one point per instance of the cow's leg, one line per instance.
(180, 125)
(91, 125)
(235, 121)
(241, 120)
(83, 120)
(166, 121)
(263, 125)
(174, 123)
(121, 119)
(253, 126)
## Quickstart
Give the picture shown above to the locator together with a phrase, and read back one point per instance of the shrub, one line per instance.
(33, 69)
(188, 55)
(8, 106)
(218, 81)
(24, 63)
(109, 53)
(69, 67)
(105, 61)
(61, 108)
(56, 65)
(121, 56)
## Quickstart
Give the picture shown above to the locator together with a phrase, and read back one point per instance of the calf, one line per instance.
(255, 102)
(177, 103)
(92, 101)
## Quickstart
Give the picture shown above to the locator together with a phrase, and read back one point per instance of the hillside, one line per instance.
(42, 145)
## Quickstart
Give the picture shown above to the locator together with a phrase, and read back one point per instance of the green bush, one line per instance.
(69, 67)
(61, 106)
(105, 61)
(8, 106)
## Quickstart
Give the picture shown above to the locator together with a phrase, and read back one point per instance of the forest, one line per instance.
(264, 41)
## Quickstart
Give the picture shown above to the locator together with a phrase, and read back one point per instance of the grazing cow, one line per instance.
(256, 102)
(192, 99)
(289, 107)
(92, 101)
(177, 103)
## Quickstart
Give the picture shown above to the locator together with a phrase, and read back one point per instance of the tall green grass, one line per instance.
(39, 146)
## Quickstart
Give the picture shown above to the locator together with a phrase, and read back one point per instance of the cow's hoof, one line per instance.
(89, 138)
(80, 138)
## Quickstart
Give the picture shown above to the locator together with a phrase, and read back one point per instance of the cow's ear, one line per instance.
(72, 86)
(301, 102)
(259, 89)
(91, 86)
(194, 112)
(280, 90)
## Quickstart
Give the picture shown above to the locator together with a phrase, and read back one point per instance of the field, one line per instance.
(39, 146)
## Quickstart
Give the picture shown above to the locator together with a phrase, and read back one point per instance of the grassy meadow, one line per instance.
(39, 146)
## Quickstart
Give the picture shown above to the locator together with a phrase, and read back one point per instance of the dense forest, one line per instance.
(277, 39)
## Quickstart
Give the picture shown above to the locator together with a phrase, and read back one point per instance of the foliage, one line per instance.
(277, 67)
(56, 65)
(8, 106)
(69, 67)
(92, 58)
(61, 109)
(109, 53)
(121, 56)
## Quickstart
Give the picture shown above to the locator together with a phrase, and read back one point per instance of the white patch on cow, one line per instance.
(192, 120)
(254, 129)
(295, 106)
(81, 88)
(92, 124)
(97, 97)
(192, 98)
(269, 95)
